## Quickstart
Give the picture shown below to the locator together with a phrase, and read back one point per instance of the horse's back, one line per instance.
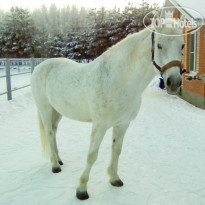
(43, 70)
(61, 84)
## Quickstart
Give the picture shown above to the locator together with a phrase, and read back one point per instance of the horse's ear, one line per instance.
(182, 18)
(155, 20)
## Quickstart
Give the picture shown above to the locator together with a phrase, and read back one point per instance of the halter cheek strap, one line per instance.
(153, 61)
(168, 65)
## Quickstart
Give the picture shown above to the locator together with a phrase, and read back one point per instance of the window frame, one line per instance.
(193, 53)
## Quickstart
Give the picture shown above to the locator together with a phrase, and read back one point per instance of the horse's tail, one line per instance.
(44, 141)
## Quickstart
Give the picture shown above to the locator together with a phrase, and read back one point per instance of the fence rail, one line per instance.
(8, 62)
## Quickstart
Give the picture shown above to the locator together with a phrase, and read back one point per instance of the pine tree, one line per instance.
(41, 20)
(54, 20)
(113, 25)
(18, 34)
(55, 46)
(79, 34)
(65, 19)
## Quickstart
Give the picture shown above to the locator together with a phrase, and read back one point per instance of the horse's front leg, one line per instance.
(97, 135)
(118, 136)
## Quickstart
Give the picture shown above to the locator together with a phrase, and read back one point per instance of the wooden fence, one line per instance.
(8, 63)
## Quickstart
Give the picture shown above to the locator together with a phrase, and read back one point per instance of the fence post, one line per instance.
(18, 62)
(8, 80)
(32, 65)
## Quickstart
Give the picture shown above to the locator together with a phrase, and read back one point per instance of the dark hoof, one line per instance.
(82, 195)
(60, 162)
(117, 183)
(56, 170)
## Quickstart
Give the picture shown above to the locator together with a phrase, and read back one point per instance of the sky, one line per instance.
(7, 4)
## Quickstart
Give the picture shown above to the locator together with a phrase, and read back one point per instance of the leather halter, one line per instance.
(168, 65)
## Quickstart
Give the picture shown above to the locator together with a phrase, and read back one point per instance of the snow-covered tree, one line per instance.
(111, 26)
(83, 20)
(70, 32)
(54, 20)
(2, 16)
(65, 19)
(17, 34)
(74, 18)
(55, 46)
(41, 19)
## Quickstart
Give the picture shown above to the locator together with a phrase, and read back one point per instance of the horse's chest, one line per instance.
(120, 106)
(129, 107)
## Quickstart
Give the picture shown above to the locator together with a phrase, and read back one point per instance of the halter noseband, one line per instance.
(168, 65)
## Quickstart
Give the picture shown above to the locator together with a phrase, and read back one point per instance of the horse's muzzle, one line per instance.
(173, 85)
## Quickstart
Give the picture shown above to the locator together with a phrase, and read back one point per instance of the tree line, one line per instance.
(78, 34)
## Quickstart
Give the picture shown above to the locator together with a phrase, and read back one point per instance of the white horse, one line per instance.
(106, 92)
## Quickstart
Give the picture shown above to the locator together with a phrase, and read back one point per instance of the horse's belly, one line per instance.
(76, 112)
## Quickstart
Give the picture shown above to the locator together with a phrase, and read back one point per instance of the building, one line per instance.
(193, 58)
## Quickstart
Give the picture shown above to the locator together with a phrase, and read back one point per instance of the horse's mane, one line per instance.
(135, 46)
(130, 37)
(126, 47)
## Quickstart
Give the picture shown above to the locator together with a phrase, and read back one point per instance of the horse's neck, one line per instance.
(132, 56)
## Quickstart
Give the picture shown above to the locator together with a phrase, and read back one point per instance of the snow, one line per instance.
(162, 162)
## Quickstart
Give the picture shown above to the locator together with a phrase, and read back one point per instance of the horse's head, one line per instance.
(167, 46)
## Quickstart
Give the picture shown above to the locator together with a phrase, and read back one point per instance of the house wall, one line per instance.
(177, 14)
(194, 91)
(202, 51)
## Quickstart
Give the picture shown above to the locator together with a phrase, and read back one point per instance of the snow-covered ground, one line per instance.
(162, 162)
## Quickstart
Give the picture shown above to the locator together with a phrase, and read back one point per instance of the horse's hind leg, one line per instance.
(118, 136)
(46, 114)
(97, 135)
(56, 117)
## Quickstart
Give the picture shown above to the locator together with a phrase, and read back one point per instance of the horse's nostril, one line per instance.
(169, 82)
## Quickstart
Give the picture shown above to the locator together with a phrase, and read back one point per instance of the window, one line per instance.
(192, 52)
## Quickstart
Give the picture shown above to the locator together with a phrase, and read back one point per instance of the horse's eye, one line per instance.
(183, 46)
(159, 46)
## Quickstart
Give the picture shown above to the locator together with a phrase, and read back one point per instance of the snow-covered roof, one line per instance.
(191, 9)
